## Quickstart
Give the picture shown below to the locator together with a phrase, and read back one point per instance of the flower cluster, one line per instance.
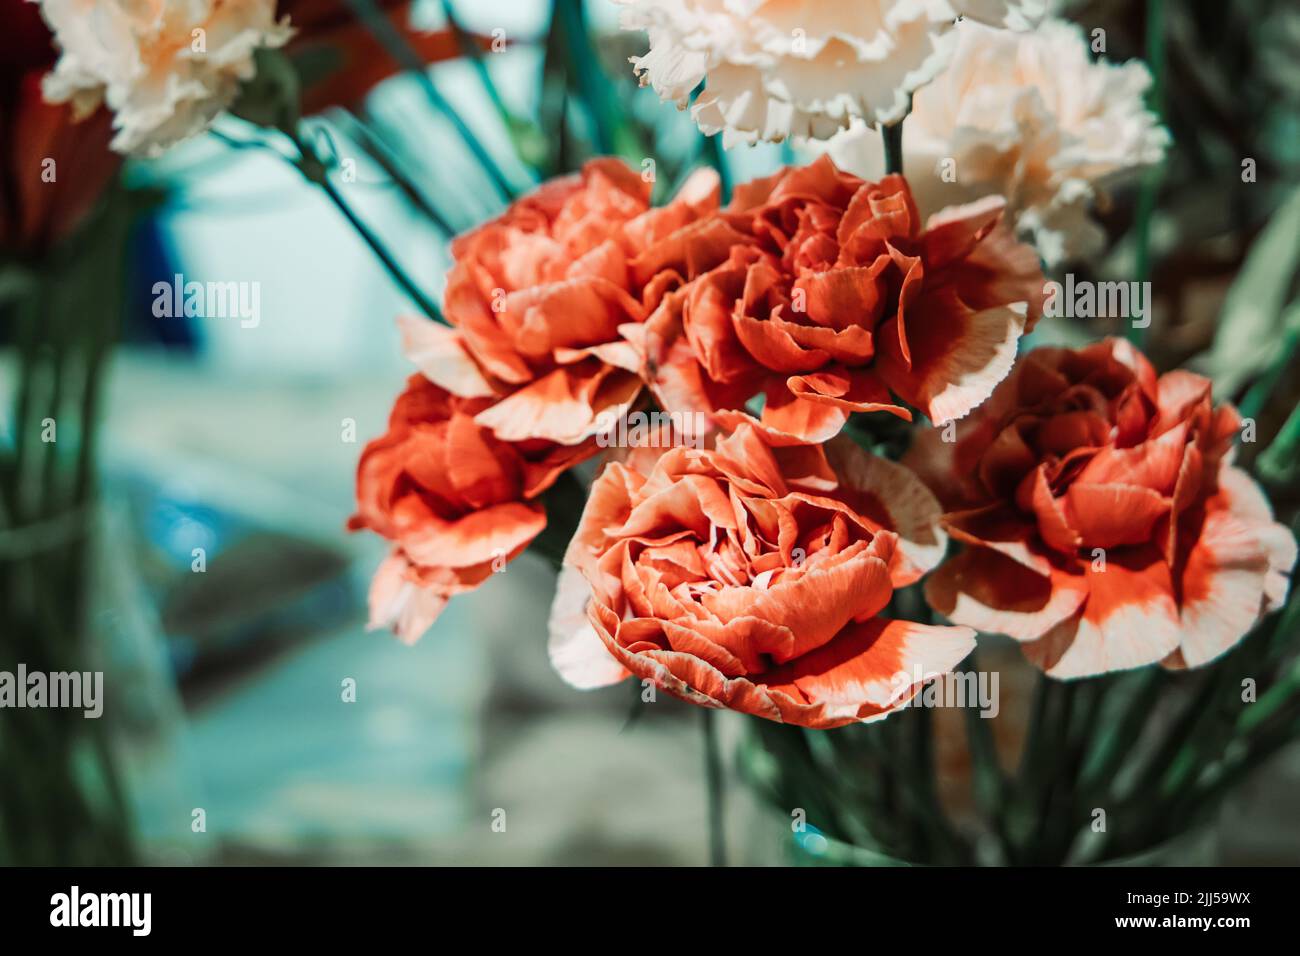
(1093, 505)
(534, 364)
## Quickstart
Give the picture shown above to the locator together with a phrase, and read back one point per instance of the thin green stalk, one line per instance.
(382, 154)
(940, 841)
(613, 136)
(716, 157)
(1279, 461)
(1115, 741)
(396, 271)
(892, 136)
(474, 54)
(714, 787)
(1259, 394)
(29, 375)
(391, 39)
(988, 780)
(313, 169)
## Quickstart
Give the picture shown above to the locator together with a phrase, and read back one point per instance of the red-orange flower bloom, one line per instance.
(456, 502)
(541, 299)
(1104, 522)
(750, 577)
(841, 296)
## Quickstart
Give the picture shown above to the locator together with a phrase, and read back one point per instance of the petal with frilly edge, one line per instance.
(958, 355)
(1222, 586)
(893, 499)
(567, 406)
(1241, 496)
(496, 532)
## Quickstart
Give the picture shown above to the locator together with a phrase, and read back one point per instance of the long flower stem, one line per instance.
(399, 275)
(378, 150)
(391, 39)
(313, 169)
(714, 785)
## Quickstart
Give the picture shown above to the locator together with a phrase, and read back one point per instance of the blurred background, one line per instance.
(227, 687)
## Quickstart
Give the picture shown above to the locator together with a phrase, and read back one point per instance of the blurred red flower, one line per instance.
(52, 169)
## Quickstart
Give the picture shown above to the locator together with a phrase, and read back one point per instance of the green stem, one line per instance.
(714, 786)
(474, 53)
(382, 154)
(1262, 390)
(588, 79)
(391, 39)
(988, 781)
(892, 135)
(314, 170)
(399, 275)
(1115, 742)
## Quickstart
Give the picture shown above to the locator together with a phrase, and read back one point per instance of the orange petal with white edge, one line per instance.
(867, 671)
(1130, 620)
(478, 537)
(992, 593)
(894, 499)
(958, 359)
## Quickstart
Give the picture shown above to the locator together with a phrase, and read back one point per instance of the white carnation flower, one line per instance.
(165, 68)
(1029, 116)
(776, 69)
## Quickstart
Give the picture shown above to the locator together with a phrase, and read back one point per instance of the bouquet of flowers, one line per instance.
(817, 447)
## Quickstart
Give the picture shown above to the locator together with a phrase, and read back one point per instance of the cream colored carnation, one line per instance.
(165, 68)
(1029, 116)
(779, 68)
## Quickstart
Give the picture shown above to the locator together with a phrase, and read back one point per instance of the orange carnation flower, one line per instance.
(751, 576)
(1104, 522)
(456, 502)
(840, 297)
(541, 299)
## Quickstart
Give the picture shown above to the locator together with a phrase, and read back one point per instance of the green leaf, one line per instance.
(1253, 320)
